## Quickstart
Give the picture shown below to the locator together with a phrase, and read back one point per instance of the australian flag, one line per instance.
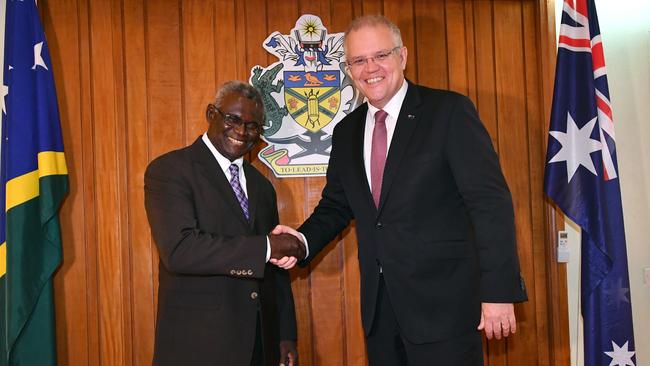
(582, 179)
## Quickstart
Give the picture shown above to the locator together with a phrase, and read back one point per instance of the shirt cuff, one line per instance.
(304, 240)
(268, 249)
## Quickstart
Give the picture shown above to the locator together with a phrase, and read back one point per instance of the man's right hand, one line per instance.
(286, 245)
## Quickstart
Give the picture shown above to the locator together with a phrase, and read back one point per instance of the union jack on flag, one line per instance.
(582, 179)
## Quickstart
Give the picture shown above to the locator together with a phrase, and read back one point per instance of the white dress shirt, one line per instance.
(392, 108)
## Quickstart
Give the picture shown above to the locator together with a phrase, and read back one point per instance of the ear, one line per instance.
(211, 112)
(348, 72)
(403, 53)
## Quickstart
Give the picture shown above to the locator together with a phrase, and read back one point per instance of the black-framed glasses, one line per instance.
(235, 121)
(379, 57)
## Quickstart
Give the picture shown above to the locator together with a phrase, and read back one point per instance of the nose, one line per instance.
(371, 64)
(240, 129)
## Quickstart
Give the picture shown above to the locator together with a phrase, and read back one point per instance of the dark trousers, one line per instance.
(387, 347)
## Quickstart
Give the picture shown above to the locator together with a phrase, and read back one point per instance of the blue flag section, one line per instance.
(34, 181)
(582, 179)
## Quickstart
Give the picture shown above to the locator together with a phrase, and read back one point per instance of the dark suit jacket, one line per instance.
(444, 232)
(213, 276)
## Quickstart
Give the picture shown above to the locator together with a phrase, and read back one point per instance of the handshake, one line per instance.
(287, 247)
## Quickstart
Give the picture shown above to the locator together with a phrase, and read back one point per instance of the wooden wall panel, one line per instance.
(536, 124)
(107, 90)
(143, 266)
(511, 104)
(431, 41)
(457, 49)
(198, 65)
(227, 50)
(472, 92)
(71, 280)
(485, 70)
(134, 78)
(91, 311)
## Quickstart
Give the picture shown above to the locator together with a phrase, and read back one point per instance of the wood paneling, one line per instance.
(143, 256)
(134, 78)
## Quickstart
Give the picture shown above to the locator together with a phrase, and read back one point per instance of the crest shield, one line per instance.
(312, 98)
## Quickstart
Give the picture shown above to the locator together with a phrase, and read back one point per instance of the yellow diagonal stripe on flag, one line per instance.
(51, 163)
(22, 189)
(25, 187)
(3, 259)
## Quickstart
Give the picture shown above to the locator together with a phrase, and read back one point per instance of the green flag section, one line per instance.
(33, 184)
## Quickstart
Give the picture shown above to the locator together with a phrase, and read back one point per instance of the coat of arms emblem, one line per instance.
(305, 94)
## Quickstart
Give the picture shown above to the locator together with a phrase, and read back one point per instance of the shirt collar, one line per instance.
(223, 161)
(394, 104)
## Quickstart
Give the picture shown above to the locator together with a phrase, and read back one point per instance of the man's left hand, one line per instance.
(498, 320)
(288, 353)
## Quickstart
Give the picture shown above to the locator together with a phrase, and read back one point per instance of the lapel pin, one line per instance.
(410, 116)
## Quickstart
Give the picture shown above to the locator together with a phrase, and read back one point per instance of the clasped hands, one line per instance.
(287, 247)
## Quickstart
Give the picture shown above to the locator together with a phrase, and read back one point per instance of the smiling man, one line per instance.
(219, 302)
(416, 169)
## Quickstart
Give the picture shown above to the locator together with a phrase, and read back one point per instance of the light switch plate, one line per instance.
(563, 253)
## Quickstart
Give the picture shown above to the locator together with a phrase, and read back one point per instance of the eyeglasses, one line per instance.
(235, 121)
(379, 57)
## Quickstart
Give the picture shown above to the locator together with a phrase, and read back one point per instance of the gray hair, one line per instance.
(375, 20)
(241, 88)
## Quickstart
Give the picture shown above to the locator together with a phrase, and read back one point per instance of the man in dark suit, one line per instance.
(219, 302)
(416, 169)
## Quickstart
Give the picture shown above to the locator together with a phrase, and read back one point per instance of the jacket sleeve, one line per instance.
(476, 170)
(184, 246)
(333, 212)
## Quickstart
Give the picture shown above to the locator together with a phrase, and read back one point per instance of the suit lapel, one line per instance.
(406, 123)
(210, 169)
(357, 155)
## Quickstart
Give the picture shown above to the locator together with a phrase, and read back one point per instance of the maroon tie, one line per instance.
(378, 154)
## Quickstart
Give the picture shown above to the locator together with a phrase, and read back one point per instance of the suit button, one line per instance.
(250, 272)
(253, 295)
(232, 272)
(238, 272)
(379, 225)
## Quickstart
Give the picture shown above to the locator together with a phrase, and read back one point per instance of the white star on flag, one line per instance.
(621, 356)
(38, 59)
(576, 146)
(616, 293)
(4, 90)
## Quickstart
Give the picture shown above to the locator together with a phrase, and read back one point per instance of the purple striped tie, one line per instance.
(236, 187)
(378, 154)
